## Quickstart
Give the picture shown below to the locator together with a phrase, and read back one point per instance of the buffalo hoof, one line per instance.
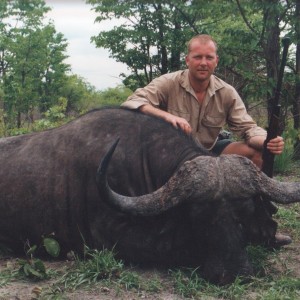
(280, 240)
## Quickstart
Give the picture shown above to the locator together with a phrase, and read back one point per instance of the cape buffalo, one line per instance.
(158, 198)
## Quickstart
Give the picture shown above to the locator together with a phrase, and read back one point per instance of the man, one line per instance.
(200, 104)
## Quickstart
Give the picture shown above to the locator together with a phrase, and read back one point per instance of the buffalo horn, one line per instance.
(145, 205)
(205, 178)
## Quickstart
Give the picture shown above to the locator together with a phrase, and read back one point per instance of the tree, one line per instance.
(79, 94)
(274, 19)
(32, 59)
(54, 72)
(150, 39)
(296, 102)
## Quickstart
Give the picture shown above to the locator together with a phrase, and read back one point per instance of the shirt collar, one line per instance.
(184, 80)
(214, 84)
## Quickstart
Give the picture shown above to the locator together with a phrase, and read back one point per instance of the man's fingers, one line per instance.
(185, 127)
(276, 145)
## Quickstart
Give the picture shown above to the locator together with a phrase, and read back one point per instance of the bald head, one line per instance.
(203, 39)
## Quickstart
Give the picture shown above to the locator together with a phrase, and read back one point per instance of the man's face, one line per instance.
(202, 60)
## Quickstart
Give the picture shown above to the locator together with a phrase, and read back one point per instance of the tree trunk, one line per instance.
(162, 43)
(175, 62)
(272, 47)
(296, 103)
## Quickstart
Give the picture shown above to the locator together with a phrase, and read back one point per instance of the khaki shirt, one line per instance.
(222, 105)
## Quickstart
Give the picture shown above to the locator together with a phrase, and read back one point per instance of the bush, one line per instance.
(283, 163)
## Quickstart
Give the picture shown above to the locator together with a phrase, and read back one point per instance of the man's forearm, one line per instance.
(150, 110)
(257, 142)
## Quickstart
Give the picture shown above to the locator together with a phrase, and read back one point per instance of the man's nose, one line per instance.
(203, 61)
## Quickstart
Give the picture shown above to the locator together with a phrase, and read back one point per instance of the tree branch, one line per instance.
(244, 17)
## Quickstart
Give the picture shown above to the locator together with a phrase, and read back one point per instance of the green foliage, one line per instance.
(52, 246)
(102, 266)
(187, 284)
(153, 43)
(258, 257)
(17, 131)
(114, 96)
(96, 265)
(54, 116)
(57, 112)
(2, 123)
(8, 274)
(130, 280)
(32, 54)
(33, 268)
(280, 289)
(289, 219)
(153, 285)
(283, 163)
(79, 94)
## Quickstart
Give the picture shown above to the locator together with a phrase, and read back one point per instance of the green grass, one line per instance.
(289, 219)
(187, 283)
(96, 266)
(284, 162)
(7, 275)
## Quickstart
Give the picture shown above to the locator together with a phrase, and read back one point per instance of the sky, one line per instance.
(75, 20)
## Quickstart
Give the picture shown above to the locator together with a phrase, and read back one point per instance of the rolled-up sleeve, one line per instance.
(155, 93)
(241, 123)
(137, 99)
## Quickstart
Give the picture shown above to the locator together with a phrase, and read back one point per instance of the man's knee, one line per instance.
(243, 149)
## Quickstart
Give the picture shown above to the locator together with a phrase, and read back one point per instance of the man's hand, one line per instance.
(276, 145)
(179, 122)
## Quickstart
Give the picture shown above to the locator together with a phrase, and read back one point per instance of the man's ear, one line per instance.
(187, 60)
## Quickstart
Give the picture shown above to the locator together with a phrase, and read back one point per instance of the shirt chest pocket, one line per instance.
(217, 121)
